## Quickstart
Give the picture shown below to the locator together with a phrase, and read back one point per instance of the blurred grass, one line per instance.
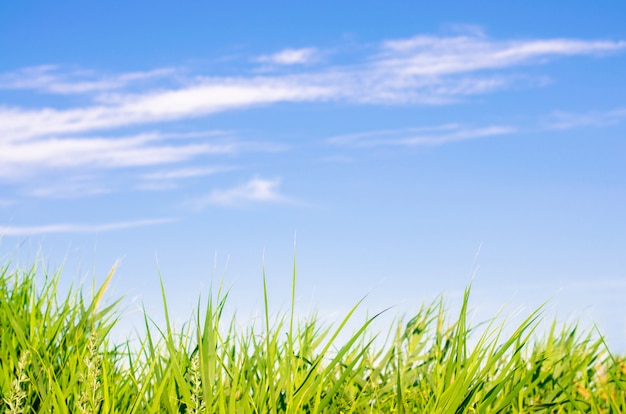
(56, 357)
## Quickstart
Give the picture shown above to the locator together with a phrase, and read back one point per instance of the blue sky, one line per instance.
(404, 146)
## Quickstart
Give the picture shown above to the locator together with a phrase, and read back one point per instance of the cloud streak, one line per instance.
(291, 57)
(426, 136)
(203, 98)
(421, 70)
(17, 231)
(567, 120)
(21, 158)
(51, 79)
(170, 179)
(183, 173)
(257, 190)
(69, 189)
(436, 56)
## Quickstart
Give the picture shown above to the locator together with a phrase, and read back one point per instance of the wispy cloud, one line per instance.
(440, 70)
(72, 188)
(52, 79)
(169, 179)
(257, 190)
(291, 56)
(447, 133)
(429, 55)
(21, 158)
(568, 120)
(182, 173)
(79, 228)
(204, 97)
(426, 136)
(423, 70)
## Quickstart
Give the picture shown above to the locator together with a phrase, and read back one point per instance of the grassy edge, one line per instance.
(56, 358)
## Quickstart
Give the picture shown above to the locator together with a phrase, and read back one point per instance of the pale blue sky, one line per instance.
(409, 145)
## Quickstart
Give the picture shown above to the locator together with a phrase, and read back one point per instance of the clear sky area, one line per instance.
(406, 148)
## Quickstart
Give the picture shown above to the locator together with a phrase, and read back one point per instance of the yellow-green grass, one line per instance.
(56, 357)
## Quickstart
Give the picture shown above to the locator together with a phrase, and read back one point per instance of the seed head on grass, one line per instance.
(17, 395)
(89, 397)
(197, 399)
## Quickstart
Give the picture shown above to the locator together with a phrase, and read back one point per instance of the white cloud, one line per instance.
(205, 97)
(20, 159)
(79, 228)
(168, 179)
(426, 136)
(427, 70)
(291, 56)
(438, 70)
(423, 69)
(257, 190)
(353, 139)
(567, 120)
(51, 79)
(73, 189)
(437, 56)
(182, 173)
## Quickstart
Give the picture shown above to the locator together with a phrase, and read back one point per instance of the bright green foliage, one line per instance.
(55, 358)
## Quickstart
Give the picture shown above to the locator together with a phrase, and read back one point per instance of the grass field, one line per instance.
(56, 357)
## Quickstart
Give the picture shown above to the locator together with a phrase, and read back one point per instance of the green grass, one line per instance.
(56, 357)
